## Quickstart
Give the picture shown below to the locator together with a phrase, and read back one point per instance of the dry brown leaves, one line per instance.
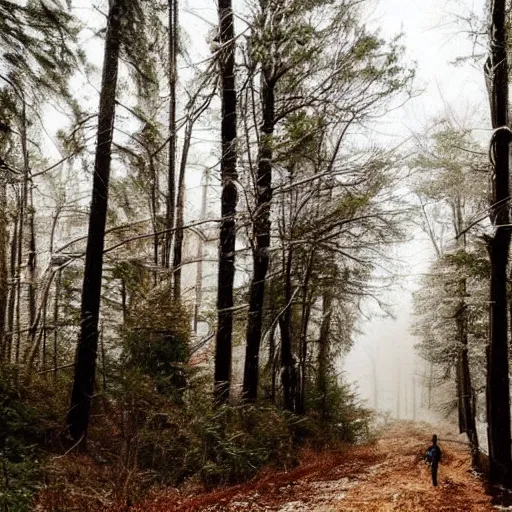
(387, 476)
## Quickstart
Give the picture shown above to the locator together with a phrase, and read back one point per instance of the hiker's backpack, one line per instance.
(431, 453)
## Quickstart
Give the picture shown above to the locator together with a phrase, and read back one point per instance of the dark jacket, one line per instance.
(433, 454)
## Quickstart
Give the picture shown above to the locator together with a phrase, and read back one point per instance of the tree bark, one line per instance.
(460, 393)
(85, 365)
(4, 282)
(31, 269)
(272, 362)
(497, 377)
(324, 350)
(171, 176)
(56, 322)
(180, 213)
(467, 396)
(307, 301)
(498, 393)
(229, 197)
(21, 233)
(155, 209)
(12, 290)
(261, 227)
(288, 369)
(200, 254)
(19, 262)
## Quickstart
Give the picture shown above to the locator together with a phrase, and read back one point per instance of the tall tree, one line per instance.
(229, 199)
(199, 100)
(498, 392)
(38, 54)
(85, 365)
(307, 69)
(261, 224)
(171, 173)
(449, 186)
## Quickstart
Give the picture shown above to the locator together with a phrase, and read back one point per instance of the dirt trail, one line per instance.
(386, 476)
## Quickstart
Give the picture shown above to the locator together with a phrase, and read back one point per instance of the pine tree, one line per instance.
(38, 54)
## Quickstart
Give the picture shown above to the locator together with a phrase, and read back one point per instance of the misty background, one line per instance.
(434, 37)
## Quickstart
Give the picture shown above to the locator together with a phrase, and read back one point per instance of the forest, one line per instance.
(197, 215)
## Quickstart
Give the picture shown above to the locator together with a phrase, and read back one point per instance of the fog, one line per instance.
(383, 364)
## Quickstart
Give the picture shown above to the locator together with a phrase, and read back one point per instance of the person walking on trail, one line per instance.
(433, 457)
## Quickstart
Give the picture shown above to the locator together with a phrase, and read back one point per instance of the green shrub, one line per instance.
(156, 341)
(238, 441)
(30, 414)
(336, 414)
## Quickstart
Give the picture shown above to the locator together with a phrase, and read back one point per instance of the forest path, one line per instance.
(389, 475)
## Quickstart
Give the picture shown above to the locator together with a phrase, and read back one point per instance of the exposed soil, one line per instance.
(389, 475)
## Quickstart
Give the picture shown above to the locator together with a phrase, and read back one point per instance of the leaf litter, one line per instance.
(389, 475)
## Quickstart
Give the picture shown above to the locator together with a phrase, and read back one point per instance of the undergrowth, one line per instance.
(143, 438)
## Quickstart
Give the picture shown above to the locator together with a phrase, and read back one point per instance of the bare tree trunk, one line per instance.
(155, 194)
(306, 314)
(180, 213)
(229, 197)
(12, 290)
(272, 362)
(19, 256)
(460, 392)
(103, 362)
(288, 369)
(31, 269)
(261, 229)
(171, 176)
(307, 300)
(85, 366)
(467, 420)
(200, 254)
(498, 392)
(324, 349)
(4, 281)
(467, 398)
(124, 306)
(44, 333)
(22, 214)
(56, 322)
